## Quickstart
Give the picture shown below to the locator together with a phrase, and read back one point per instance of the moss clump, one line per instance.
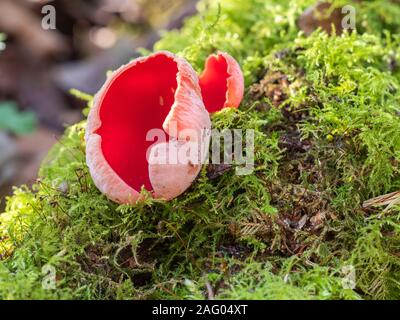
(325, 113)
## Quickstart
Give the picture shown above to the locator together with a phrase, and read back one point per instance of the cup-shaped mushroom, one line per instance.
(221, 82)
(158, 93)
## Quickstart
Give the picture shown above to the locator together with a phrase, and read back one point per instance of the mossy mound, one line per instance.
(325, 110)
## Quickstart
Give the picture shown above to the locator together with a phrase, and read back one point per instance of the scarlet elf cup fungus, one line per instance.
(159, 92)
(221, 82)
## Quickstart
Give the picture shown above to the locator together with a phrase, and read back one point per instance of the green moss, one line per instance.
(325, 114)
(258, 281)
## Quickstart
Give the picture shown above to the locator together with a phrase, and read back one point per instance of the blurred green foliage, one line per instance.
(14, 121)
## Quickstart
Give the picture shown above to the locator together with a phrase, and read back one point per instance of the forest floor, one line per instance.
(324, 105)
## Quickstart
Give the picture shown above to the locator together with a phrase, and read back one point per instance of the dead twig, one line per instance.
(388, 200)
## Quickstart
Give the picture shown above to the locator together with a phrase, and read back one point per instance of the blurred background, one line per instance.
(39, 66)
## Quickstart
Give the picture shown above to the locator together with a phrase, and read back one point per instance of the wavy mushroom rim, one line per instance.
(187, 103)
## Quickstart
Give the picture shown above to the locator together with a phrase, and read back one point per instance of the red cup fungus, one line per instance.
(221, 82)
(159, 96)
(161, 92)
